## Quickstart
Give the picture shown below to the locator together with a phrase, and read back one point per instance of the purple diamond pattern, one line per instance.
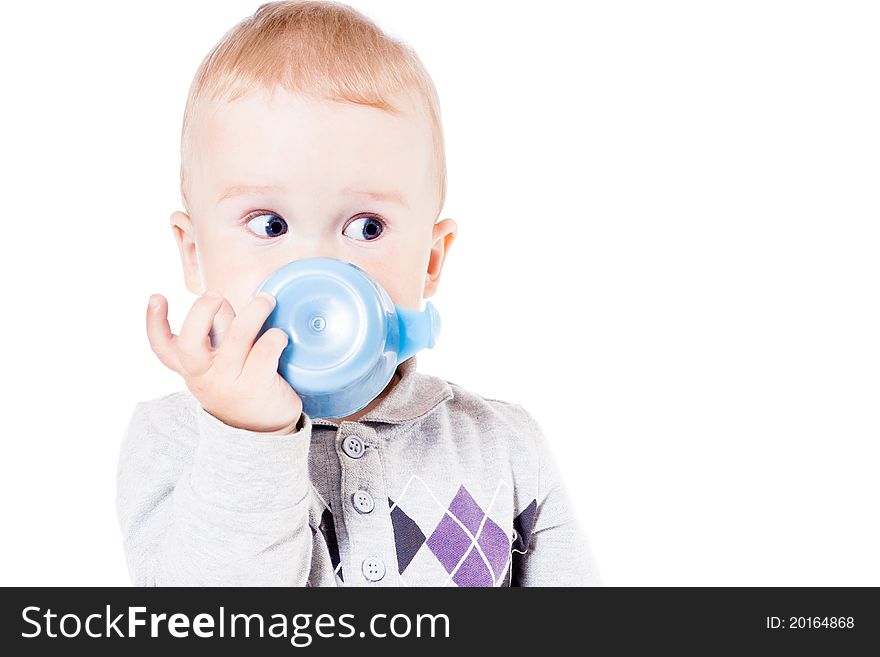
(449, 543)
(473, 572)
(495, 546)
(466, 509)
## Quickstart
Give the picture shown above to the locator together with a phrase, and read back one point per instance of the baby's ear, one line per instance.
(184, 235)
(443, 236)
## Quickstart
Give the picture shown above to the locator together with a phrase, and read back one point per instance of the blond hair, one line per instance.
(320, 48)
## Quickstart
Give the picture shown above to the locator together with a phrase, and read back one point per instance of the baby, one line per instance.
(309, 132)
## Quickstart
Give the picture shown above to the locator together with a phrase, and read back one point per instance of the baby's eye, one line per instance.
(267, 225)
(367, 227)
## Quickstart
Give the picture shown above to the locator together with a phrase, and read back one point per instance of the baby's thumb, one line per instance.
(266, 352)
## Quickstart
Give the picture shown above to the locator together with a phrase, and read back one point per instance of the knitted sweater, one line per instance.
(436, 486)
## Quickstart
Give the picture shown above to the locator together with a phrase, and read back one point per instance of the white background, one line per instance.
(668, 253)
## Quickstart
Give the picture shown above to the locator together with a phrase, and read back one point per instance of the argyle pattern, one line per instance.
(461, 543)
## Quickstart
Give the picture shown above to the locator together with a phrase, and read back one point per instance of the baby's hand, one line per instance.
(237, 382)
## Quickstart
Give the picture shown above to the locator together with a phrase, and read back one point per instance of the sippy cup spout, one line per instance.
(419, 329)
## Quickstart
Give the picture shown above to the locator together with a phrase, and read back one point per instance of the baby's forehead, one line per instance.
(261, 136)
(285, 118)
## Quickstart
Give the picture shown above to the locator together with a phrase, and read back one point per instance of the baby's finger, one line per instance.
(231, 355)
(263, 358)
(222, 321)
(162, 340)
(193, 343)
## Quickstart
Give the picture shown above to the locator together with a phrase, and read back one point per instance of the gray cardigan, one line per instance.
(435, 486)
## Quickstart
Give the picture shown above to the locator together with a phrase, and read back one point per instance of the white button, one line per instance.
(363, 501)
(373, 569)
(353, 446)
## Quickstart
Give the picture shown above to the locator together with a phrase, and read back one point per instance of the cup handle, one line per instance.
(419, 329)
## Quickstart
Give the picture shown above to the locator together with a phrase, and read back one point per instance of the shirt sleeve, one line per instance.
(201, 503)
(551, 548)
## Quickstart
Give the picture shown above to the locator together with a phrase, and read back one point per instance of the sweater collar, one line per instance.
(412, 397)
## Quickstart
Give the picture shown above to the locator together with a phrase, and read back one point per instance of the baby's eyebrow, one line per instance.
(391, 197)
(244, 190)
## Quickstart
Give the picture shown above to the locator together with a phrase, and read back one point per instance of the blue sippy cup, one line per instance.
(346, 335)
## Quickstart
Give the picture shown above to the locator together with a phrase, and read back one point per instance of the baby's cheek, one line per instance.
(401, 278)
(406, 291)
(240, 293)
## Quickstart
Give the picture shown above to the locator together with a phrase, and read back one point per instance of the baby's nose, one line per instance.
(317, 246)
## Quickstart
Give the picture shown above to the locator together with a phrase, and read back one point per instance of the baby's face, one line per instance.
(273, 179)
